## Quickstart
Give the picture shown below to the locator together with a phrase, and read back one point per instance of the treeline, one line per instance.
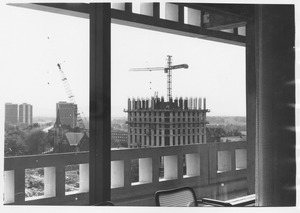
(26, 141)
(227, 120)
(215, 133)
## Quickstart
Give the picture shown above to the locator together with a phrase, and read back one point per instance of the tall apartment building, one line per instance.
(25, 113)
(158, 123)
(11, 113)
(67, 113)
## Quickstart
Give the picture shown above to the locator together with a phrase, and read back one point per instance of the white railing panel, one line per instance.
(50, 181)
(9, 186)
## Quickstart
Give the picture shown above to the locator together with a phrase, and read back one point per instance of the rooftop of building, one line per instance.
(156, 103)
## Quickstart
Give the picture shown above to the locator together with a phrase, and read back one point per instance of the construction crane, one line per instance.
(71, 97)
(167, 70)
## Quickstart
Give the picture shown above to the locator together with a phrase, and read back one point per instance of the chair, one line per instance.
(105, 203)
(181, 197)
(186, 197)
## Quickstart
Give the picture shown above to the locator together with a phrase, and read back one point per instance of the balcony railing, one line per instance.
(214, 170)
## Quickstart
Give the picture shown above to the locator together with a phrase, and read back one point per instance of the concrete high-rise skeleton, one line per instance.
(154, 122)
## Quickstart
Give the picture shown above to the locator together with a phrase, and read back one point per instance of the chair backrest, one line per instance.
(184, 196)
(105, 203)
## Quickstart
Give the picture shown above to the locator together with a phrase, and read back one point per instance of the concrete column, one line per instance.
(186, 138)
(224, 161)
(251, 103)
(162, 137)
(170, 167)
(9, 186)
(133, 103)
(276, 141)
(117, 174)
(204, 133)
(148, 143)
(145, 170)
(84, 174)
(176, 140)
(129, 104)
(100, 102)
(181, 138)
(191, 103)
(143, 142)
(157, 139)
(192, 164)
(195, 103)
(200, 104)
(50, 181)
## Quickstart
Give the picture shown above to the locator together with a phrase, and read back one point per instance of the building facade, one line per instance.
(119, 136)
(25, 113)
(11, 113)
(153, 123)
(67, 113)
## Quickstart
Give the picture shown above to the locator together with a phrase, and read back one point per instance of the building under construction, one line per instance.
(156, 122)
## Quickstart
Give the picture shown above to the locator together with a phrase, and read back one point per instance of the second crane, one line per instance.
(167, 70)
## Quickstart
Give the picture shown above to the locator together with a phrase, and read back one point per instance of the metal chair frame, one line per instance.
(172, 191)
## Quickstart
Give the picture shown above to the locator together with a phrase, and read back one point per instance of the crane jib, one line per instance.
(167, 70)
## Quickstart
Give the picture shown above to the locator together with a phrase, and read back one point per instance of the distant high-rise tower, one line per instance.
(67, 113)
(25, 113)
(11, 113)
(58, 133)
(158, 123)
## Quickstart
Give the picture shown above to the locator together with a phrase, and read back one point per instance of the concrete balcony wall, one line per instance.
(202, 163)
(54, 179)
(202, 172)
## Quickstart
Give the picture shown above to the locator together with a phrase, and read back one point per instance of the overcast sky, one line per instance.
(34, 42)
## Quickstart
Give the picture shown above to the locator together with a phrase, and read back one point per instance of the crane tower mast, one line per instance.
(169, 79)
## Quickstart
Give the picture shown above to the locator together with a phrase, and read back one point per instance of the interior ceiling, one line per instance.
(242, 10)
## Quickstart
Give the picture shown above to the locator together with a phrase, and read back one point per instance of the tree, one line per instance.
(36, 142)
(14, 143)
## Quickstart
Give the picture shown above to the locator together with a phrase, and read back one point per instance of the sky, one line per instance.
(34, 42)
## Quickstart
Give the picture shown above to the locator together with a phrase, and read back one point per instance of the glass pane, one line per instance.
(46, 106)
(189, 124)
